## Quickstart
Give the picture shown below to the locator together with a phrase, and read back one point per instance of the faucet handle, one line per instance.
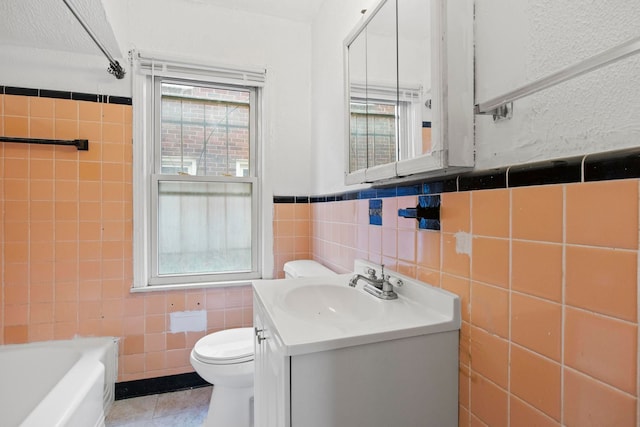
(370, 272)
(396, 282)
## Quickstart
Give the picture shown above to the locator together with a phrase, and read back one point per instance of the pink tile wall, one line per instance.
(549, 288)
(291, 231)
(65, 241)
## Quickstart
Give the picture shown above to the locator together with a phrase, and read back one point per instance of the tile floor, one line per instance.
(187, 408)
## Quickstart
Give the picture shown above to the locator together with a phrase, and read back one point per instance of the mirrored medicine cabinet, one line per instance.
(409, 90)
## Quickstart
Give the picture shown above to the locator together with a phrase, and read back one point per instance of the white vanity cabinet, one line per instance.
(406, 382)
(407, 378)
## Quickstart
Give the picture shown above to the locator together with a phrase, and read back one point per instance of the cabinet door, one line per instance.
(271, 396)
(409, 68)
(260, 385)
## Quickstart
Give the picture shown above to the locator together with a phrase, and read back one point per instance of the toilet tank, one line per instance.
(305, 268)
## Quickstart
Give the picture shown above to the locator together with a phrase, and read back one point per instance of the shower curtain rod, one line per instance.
(114, 66)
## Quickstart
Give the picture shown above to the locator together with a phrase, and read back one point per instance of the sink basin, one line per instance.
(331, 303)
(313, 314)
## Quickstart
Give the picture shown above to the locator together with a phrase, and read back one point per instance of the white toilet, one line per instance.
(225, 359)
(305, 268)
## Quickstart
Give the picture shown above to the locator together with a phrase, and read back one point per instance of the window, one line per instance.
(197, 190)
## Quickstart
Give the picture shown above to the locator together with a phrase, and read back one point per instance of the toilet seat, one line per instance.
(225, 347)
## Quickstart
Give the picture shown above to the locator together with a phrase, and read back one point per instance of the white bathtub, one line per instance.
(57, 383)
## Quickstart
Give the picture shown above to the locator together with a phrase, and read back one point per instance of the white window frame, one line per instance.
(147, 72)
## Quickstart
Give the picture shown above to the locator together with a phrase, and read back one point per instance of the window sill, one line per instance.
(186, 286)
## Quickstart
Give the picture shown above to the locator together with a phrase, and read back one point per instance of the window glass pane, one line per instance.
(382, 133)
(358, 143)
(204, 227)
(373, 134)
(204, 131)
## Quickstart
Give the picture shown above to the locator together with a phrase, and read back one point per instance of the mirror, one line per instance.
(394, 85)
(358, 157)
(381, 79)
(373, 90)
(414, 79)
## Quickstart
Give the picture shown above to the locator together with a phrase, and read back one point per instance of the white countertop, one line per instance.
(420, 309)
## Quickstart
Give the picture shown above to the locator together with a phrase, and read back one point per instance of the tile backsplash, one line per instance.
(547, 275)
(548, 280)
(291, 234)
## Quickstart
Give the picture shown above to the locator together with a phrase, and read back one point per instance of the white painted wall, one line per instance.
(517, 41)
(226, 36)
(203, 33)
(22, 66)
(334, 21)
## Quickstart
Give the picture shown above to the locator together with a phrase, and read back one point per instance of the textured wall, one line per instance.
(518, 42)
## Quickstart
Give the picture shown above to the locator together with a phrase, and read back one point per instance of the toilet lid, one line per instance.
(228, 346)
(306, 268)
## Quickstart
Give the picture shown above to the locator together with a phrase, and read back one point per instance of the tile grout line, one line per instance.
(28, 149)
(563, 301)
(638, 318)
(53, 222)
(576, 245)
(155, 407)
(78, 220)
(510, 286)
(469, 342)
(600, 382)
(2, 221)
(536, 410)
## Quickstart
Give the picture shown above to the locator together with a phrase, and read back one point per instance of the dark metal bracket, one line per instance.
(427, 212)
(80, 144)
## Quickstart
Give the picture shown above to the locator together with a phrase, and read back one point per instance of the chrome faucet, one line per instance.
(378, 287)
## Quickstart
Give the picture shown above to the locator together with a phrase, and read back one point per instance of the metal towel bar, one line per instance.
(500, 106)
(80, 144)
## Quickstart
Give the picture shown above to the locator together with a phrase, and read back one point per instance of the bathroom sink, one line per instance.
(326, 302)
(324, 313)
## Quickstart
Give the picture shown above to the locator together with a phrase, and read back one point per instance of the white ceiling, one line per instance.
(48, 24)
(297, 10)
